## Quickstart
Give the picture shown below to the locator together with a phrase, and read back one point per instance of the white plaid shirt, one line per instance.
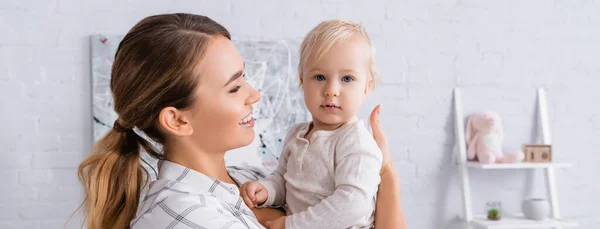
(184, 198)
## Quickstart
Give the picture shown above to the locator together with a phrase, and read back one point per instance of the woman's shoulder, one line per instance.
(194, 211)
(161, 207)
(173, 204)
(176, 194)
(183, 196)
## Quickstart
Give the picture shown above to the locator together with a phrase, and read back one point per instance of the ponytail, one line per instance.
(154, 68)
(112, 178)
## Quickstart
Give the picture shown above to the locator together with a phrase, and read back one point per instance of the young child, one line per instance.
(328, 172)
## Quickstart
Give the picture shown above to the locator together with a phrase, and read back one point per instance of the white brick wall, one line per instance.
(499, 51)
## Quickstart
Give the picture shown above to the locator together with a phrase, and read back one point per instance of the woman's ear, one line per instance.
(175, 121)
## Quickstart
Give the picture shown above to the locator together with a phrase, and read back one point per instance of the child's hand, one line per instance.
(279, 223)
(253, 193)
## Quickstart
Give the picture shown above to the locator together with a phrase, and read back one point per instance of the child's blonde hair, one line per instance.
(326, 34)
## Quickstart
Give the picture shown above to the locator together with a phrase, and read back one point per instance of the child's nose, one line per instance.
(332, 90)
(334, 94)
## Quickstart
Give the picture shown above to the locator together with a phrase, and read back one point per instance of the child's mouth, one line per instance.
(330, 108)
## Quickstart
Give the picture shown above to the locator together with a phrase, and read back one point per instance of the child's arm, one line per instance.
(275, 184)
(358, 163)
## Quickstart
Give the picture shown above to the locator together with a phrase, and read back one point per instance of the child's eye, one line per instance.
(235, 89)
(347, 78)
(320, 77)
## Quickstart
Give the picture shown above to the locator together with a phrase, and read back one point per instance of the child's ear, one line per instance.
(368, 87)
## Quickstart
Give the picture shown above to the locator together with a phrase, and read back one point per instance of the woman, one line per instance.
(179, 79)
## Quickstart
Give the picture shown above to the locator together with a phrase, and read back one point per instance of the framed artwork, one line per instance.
(271, 67)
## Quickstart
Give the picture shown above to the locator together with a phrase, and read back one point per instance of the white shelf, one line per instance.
(508, 221)
(523, 165)
(519, 222)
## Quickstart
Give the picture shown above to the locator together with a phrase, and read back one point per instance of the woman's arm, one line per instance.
(263, 215)
(388, 212)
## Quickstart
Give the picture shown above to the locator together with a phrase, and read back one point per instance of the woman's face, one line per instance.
(222, 113)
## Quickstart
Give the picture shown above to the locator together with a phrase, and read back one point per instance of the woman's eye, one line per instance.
(347, 78)
(235, 89)
(320, 77)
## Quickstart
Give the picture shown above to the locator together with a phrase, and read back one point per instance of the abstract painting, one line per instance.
(271, 67)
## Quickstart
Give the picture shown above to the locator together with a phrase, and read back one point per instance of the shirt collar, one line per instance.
(197, 182)
(324, 133)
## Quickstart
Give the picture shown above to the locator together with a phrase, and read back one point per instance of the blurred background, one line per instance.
(498, 52)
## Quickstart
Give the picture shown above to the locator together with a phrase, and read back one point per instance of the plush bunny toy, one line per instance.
(485, 137)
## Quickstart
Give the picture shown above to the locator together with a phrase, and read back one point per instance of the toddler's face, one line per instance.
(335, 87)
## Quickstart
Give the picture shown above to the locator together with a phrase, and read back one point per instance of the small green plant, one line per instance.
(493, 214)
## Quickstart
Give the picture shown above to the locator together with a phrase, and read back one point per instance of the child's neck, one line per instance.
(318, 125)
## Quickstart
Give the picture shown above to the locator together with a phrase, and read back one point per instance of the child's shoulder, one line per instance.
(295, 129)
(356, 138)
(356, 132)
(355, 127)
(299, 126)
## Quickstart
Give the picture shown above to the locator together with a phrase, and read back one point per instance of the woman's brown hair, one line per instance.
(153, 69)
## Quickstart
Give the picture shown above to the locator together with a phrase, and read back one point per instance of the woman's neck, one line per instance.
(211, 164)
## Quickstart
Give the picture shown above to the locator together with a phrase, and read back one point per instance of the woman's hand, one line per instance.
(388, 212)
(381, 139)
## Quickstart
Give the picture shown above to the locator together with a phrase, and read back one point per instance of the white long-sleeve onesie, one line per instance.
(329, 182)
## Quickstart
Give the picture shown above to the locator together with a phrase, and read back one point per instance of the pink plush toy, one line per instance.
(485, 138)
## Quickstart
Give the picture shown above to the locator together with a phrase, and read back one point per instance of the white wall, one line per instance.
(499, 51)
